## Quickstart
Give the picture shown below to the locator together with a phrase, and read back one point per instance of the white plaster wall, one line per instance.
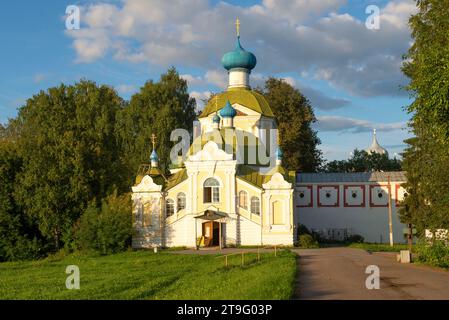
(239, 230)
(238, 78)
(181, 232)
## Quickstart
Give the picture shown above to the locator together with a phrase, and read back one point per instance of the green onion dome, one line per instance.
(228, 111)
(279, 153)
(154, 156)
(239, 58)
(216, 119)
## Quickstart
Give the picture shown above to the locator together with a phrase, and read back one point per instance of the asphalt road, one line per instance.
(339, 274)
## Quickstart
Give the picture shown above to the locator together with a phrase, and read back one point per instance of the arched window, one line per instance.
(243, 200)
(211, 191)
(181, 201)
(255, 205)
(170, 207)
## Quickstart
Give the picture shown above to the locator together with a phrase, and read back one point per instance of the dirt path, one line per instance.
(339, 273)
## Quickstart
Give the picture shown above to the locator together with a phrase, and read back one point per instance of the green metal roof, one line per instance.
(176, 179)
(243, 96)
(254, 177)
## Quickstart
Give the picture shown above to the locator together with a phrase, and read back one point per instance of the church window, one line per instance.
(354, 194)
(170, 207)
(255, 205)
(211, 191)
(181, 201)
(243, 200)
(301, 195)
(380, 195)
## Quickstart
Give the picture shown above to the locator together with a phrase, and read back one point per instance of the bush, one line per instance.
(307, 241)
(355, 238)
(107, 229)
(436, 254)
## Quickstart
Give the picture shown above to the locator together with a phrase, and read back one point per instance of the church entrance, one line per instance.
(211, 234)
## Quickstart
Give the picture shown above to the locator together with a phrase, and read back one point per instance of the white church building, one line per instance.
(232, 190)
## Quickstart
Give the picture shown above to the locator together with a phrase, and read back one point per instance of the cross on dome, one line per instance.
(237, 26)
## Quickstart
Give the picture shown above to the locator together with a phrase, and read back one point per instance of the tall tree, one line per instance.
(294, 116)
(159, 108)
(70, 154)
(427, 159)
(361, 161)
(19, 235)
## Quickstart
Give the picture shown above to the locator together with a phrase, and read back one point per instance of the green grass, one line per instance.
(375, 247)
(145, 275)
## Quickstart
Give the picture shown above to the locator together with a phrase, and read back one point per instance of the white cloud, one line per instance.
(302, 36)
(321, 101)
(126, 88)
(217, 77)
(39, 77)
(200, 97)
(344, 124)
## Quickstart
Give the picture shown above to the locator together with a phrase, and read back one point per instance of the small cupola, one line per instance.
(279, 155)
(154, 158)
(228, 113)
(375, 146)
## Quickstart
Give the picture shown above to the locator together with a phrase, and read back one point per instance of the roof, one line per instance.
(228, 111)
(159, 177)
(239, 58)
(375, 146)
(254, 177)
(398, 176)
(176, 178)
(243, 96)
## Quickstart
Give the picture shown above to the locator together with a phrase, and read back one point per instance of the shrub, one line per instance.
(436, 254)
(107, 229)
(307, 241)
(355, 238)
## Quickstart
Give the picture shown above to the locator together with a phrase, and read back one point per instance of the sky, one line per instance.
(351, 74)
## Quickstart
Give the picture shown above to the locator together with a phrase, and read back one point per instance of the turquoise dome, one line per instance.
(154, 156)
(216, 119)
(239, 58)
(228, 111)
(279, 153)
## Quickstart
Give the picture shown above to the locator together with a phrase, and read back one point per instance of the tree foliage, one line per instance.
(67, 153)
(107, 229)
(427, 158)
(159, 108)
(294, 117)
(361, 161)
(70, 154)
(19, 236)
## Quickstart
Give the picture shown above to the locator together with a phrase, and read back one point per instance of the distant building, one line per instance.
(338, 205)
(375, 146)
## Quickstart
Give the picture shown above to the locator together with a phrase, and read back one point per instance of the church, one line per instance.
(232, 190)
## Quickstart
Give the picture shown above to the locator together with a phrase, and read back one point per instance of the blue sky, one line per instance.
(351, 74)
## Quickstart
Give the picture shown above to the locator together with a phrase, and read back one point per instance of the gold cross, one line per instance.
(237, 26)
(153, 140)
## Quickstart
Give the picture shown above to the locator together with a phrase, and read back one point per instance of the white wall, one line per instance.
(365, 214)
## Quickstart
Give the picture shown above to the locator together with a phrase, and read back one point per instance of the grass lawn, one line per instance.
(146, 275)
(375, 247)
